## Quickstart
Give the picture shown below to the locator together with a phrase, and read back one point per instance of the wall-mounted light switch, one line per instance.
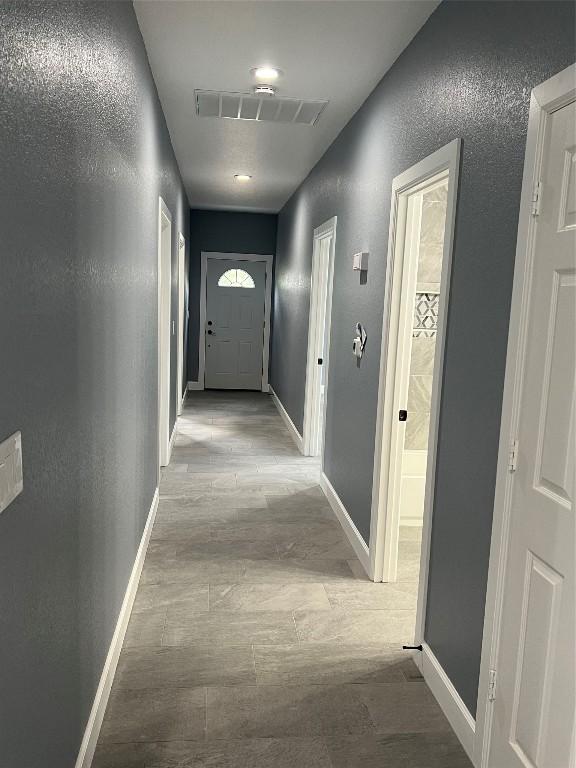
(11, 481)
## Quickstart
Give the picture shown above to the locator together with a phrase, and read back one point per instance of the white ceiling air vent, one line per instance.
(246, 106)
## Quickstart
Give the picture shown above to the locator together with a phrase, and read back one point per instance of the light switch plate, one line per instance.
(11, 480)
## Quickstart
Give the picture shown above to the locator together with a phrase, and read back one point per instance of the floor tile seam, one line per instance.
(297, 644)
(304, 688)
(257, 686)
(223, 738)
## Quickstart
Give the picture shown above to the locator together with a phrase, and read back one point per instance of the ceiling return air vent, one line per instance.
(264, 109)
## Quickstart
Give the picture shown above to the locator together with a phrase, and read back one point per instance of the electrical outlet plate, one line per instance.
(11, 479)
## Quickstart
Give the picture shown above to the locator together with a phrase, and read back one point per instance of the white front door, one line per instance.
(234, 332)
(534, 707)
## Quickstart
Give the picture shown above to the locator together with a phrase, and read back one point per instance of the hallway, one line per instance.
(255, 639)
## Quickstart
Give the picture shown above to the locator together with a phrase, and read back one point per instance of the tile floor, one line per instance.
(255, 640)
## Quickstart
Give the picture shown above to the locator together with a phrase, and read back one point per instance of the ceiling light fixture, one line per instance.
(264, 90)
(266, 73)
(242, 177)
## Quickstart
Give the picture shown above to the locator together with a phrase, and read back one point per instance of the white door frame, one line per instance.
(385, 520)
(268, 260)
(164, 334)
(180, 395)
(546, 98)
(312, 392)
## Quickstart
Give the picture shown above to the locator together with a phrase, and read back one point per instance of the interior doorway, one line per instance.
(164, 330)
(235, 300)
(416, 303)
(319, 337)
(180, 385)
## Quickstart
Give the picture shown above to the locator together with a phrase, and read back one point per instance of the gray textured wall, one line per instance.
(468, 73)
(85, 154)
(225, 232)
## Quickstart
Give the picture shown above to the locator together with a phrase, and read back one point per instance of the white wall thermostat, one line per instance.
(360, 262)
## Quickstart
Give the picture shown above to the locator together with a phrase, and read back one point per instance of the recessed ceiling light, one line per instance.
(242, 177)
(266, 73)
(264, 90)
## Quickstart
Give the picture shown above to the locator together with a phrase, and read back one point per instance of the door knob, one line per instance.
(209, 333)
(402, 415)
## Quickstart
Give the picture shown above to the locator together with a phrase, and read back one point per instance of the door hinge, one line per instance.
(536, 198)
(492, 685)
(513, 456)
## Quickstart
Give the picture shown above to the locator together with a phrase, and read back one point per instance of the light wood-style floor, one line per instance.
(256, 641)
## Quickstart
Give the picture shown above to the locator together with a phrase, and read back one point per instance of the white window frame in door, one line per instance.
(322, 273)
(385, 517)
(181, 388)
(164, 332)
(267, 259)
(546, 98)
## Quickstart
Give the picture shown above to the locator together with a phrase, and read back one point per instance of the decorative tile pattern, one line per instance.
(425, 315)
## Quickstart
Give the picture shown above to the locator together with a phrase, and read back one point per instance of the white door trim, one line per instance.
(164, 333)
(180, 391)
(268, 260)
(546, 98)
(446, 159)
(311, 396)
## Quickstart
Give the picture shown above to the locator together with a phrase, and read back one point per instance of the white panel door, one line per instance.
(235, 306)
(534, 707)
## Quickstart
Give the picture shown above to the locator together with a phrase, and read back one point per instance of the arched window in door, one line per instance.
(235, 278)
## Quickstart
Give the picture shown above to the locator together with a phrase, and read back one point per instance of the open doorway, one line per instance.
(164, 297)
(416, 303)
(180, 387)
(319, 337)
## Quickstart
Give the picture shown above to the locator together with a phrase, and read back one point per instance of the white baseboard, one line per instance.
(92, 731)
(183, 400)
(171, 442)
(195, 385)
(352, 533)
(447, 696)
(294, 434)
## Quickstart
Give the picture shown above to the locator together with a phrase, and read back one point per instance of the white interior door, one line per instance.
(234, 332)
(320, 280)
(181, 281)
(534, 711)
(319, 323)
(164, 310)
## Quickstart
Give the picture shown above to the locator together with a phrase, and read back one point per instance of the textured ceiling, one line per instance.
(334, 51)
